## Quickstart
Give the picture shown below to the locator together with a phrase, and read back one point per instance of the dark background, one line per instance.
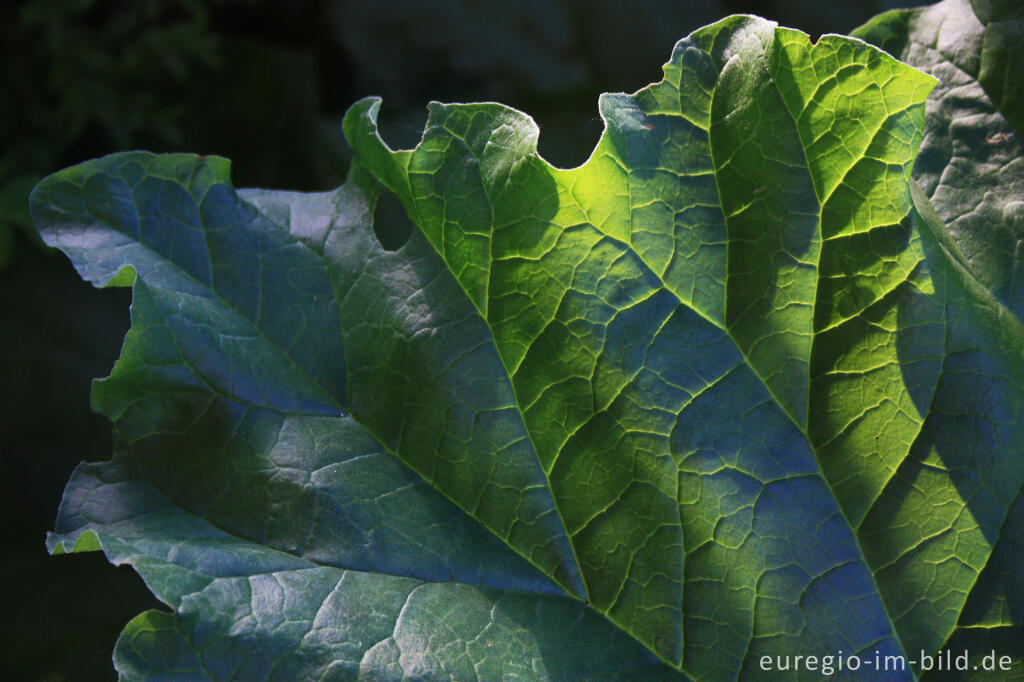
(264, 84)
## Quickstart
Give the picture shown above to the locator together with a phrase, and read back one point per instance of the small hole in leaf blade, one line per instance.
(391, 225)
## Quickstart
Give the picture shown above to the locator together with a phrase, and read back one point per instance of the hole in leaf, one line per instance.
(391, 225)
(402, 128)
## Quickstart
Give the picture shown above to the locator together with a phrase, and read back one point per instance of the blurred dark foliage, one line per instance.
(264, 83)
(81, 76)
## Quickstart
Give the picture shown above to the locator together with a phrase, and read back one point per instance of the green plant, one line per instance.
(730, 389)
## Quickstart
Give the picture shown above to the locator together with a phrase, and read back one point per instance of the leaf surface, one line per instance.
(971, 163)
(722, 392)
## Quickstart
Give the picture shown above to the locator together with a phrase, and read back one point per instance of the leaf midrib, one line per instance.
(482, 313)
(721, 327)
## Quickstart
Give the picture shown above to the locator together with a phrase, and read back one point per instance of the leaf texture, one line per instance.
(971, 163)
(727, 390)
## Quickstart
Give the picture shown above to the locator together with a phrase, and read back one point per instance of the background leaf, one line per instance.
(971, 164)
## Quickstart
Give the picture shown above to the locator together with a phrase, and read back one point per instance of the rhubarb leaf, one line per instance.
(724, 392)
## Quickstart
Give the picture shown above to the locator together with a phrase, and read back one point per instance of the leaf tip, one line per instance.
(86, 542)
(361, 118)
(125, 277)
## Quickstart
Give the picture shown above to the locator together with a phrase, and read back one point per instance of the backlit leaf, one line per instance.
(726, 391)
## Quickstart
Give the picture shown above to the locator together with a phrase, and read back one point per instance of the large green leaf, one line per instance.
(971, 163)
(722, 392)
